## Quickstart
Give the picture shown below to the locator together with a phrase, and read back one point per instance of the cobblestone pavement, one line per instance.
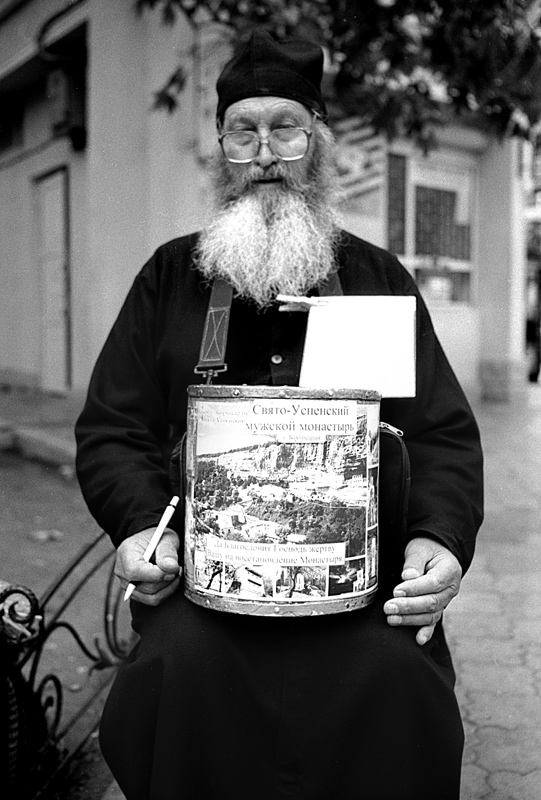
(494, 625)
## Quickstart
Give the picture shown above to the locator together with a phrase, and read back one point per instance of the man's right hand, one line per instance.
(153, 582)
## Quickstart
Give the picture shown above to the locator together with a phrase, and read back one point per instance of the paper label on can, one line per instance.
(290, 555)
(282, 498)
(302, 420)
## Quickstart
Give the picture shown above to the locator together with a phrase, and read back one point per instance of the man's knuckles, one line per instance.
(425, 620)
(425, 604)
(152, 595)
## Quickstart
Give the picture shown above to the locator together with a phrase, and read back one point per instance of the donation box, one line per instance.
(281, 499)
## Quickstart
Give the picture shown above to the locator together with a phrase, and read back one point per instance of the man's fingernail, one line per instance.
(410, 573)
(391, 608)
(399, 593)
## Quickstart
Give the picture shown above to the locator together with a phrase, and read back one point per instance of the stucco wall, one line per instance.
(21, 300)
(18, 33)
(21, 297)
(502, 276)
(144, 185)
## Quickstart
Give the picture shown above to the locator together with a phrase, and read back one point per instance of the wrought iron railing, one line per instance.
(58, 656)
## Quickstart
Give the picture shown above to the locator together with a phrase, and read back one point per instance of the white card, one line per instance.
(364, 342)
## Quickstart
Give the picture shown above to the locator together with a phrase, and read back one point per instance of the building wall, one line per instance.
(141, 181)
(116, 162)
(18, 32)
(38, 154)
(21, 300)
(144, 182)
(502, 274)
(136, 185)
(19, 333)
(456, 168)
(452, 170)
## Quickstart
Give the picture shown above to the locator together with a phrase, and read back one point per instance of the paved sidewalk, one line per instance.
(494, 626)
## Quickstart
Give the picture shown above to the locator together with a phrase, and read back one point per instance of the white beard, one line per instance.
(277, 239)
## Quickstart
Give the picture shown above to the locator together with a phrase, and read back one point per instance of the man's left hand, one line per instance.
(431, 578)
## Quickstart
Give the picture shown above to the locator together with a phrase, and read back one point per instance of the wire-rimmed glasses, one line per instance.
(287, 144)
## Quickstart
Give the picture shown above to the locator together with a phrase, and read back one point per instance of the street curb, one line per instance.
(37, 444)
(7, 436)
(44, 446)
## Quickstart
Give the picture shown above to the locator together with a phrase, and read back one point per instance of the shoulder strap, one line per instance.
(214, 342)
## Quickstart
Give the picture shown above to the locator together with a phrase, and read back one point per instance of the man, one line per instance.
(214, 705)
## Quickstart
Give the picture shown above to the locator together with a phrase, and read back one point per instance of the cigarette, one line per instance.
(156, 536)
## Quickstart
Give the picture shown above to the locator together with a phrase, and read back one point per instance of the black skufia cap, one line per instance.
(264, 67)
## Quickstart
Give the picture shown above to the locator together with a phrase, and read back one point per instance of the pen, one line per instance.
(156, 536)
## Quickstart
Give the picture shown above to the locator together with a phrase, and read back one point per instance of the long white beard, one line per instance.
(267, 243)
(276, 239)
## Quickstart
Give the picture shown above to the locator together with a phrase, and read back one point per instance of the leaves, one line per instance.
(401, 65)
(166, 97)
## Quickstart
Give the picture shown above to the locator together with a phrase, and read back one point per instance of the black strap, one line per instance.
(214, 342)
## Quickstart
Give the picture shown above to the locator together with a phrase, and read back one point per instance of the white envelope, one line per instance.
(361, 343)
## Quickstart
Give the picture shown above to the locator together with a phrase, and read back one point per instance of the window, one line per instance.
(11, 123)
(437, 232)
(396, 206)
(430, 222)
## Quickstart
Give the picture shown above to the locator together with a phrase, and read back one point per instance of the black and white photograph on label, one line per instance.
(289, 493)
(270, 407)
(347, 578)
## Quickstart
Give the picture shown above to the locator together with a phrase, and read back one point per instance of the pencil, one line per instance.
(156, 536)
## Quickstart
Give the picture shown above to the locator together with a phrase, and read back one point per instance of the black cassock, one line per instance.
(214, 705)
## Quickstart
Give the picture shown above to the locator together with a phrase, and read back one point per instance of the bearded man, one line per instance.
(219, 706)
(275, 230)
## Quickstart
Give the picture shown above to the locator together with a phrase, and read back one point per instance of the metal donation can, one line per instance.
(281, 499)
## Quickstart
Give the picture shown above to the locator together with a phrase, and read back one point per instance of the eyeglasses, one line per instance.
(287, 144)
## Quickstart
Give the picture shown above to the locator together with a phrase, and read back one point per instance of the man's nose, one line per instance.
(265, 157)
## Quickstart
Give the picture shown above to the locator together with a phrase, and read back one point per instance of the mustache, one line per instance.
(275, 172)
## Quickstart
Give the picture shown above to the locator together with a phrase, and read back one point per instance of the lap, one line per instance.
(300, 707)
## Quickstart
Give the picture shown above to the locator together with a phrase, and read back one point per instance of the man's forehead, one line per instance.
(254, 108)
